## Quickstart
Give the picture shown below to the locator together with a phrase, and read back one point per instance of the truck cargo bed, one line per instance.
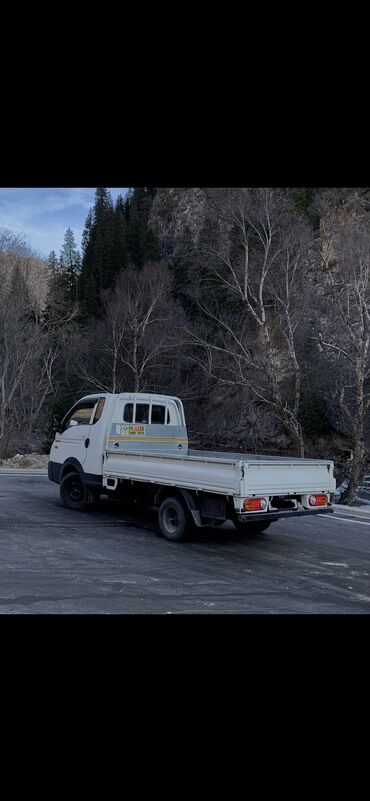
(225, 473)
(252, 457)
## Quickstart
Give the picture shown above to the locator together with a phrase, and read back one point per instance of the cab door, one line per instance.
(73, 440)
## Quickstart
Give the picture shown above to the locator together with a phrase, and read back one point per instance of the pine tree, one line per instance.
(192, 267)
(136, 228)
(53, 261)
(181, 266)
(143, 245)
(120, 235)
(303, 198)
(114, 237)
(87, 278)
(86, 235)
(70, 262)
(129, 197)
(57, 287)
(152, 248)
(98, 263)
(78, 265)
(68, 253)
(103, 239)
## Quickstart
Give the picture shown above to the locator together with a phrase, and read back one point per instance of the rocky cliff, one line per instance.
(34, 271)
(176, 209)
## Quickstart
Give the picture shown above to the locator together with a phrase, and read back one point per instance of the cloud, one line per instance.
(43, 215)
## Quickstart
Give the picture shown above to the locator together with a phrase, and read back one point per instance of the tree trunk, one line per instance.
(286, 416)
(135, 366)
(301, 444)
(348, 496)
(114, 369)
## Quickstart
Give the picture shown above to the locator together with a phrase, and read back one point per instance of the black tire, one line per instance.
(93, 496)
(252, 528)
(73, 492)
(173, 518)
(112, 495)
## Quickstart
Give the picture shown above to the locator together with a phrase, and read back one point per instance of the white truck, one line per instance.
(135, 446)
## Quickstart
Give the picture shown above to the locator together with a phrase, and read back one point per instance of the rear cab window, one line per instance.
(146, 413)
(128, 412)
(158, 414)
(142, 413)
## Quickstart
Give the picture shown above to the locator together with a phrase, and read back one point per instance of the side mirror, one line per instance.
(56, 425)
(72, 423)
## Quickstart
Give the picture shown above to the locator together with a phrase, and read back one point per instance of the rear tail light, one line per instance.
(255, 504)
(318, 500)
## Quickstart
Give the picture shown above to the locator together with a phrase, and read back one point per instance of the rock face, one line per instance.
(176, 209)
(37, 276)
(340, 220)
(35, 272)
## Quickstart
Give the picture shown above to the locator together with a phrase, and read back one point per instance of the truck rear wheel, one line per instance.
(173, 520)
(72, 492)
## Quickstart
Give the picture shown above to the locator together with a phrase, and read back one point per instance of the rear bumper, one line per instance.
(273, 516)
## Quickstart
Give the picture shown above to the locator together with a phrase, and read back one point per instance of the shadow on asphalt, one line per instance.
(130, 513)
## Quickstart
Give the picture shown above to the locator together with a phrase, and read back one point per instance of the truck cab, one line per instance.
(103, 422)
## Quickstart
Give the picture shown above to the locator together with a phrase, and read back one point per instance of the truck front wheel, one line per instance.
(173, 520)
(72, 492)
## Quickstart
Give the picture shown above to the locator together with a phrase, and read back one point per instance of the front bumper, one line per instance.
(273, 516)
(54, 471)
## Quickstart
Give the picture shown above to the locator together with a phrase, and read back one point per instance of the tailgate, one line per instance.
(282, 478)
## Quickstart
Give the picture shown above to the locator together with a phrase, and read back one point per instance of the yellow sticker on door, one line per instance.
(132, 430)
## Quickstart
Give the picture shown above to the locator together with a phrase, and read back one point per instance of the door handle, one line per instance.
(87, 442)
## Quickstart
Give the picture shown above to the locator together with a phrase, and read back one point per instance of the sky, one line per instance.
(43, 215)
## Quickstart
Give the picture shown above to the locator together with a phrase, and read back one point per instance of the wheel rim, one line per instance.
(171, 519)
(75, 491)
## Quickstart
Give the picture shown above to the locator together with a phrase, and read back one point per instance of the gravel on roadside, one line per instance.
(38, 461)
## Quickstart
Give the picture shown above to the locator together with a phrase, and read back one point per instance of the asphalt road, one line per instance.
(110, 560)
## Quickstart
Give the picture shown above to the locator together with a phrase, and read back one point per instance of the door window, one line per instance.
(80, 415)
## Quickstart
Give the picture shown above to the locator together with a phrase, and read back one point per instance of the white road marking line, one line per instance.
(19, 475)
(346, 520)
(335, 564)
(23, 473)
(352, 514)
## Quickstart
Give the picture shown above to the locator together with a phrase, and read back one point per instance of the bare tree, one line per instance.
(136, 333)
(29, 346)
(259, 268)
(13, 243)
